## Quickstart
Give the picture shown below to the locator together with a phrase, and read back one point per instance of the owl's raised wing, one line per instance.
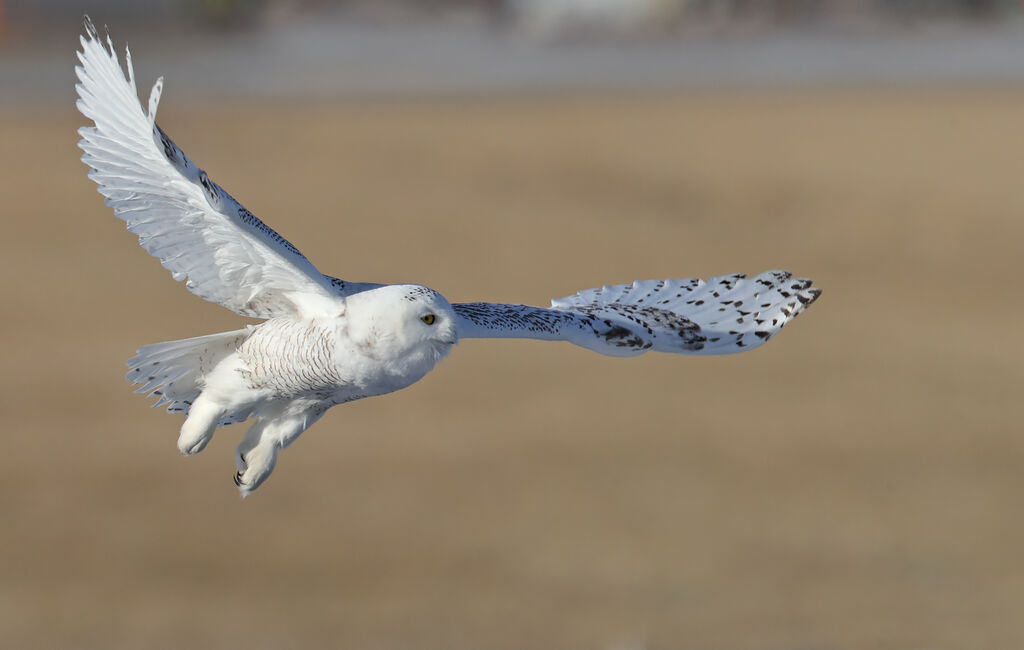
(198, 231)
(726, 314)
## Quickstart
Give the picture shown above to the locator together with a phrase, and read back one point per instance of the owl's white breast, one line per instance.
(291, 357)
(321, 358)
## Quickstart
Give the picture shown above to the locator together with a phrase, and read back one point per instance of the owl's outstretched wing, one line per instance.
(197, 230)
(722, 315)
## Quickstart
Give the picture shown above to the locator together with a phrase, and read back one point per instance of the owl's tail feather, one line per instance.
(174, 371)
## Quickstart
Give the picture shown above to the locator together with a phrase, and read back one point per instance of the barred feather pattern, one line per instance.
(293, 358)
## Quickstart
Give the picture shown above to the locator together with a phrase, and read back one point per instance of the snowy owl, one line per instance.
(325, 341)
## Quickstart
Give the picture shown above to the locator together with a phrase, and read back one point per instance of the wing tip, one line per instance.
(154, 94)
(90, 27)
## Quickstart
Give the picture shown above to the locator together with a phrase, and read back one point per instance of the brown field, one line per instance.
(857, 483)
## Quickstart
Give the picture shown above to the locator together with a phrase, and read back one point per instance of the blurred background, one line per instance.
(854, 484)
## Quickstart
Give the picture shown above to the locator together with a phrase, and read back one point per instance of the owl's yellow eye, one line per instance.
(428, 319)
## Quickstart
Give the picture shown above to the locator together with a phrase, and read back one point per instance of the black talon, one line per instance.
(238, 479)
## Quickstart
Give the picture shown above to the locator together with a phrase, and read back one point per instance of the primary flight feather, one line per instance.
(324, 341)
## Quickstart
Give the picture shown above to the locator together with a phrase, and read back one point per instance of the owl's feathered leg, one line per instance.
(197, 431)
(256, 455)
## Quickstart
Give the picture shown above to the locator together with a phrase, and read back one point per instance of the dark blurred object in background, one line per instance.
(550, 16)
(335, 48)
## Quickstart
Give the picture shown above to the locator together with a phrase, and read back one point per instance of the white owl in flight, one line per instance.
(325, 341)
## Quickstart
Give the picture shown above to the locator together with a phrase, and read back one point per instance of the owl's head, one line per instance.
(402, 320)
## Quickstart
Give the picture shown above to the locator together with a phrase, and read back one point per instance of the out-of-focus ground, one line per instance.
(856, 483)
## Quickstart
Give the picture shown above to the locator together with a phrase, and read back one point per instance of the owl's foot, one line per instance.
(254, 465)
(256, 455)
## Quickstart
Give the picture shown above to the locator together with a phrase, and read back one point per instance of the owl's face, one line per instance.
(402, 321)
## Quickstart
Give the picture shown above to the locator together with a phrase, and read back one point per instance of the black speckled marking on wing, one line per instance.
(719, 315)
(171, 150)
(608, 331)
(249, 219)
(651, 320)
(218, 198)
(534, 320)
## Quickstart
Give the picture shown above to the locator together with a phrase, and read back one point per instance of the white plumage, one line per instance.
(325, 341)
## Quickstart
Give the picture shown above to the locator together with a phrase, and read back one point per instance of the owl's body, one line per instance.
(289, 371)
(325, 341)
